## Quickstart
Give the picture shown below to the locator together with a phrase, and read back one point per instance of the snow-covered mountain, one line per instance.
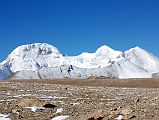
(44, 61)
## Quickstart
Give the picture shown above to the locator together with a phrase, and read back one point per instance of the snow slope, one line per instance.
(5, 72)
(43, 61)
(127, 69)
(143, 59)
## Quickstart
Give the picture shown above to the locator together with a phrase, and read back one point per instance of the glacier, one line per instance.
(44, 61)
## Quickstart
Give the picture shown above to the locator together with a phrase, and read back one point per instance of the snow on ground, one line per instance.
(35, 108)
(120, 117)
(22, 95)
(4, 117)
(75, 103)
(60, 110)
(60, 117)
(51, 97)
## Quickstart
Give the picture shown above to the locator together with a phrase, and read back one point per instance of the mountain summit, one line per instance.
(32, 57)
(41, 60)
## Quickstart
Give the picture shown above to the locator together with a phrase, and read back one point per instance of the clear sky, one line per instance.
(75, 26)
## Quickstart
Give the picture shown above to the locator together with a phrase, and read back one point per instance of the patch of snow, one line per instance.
(22, 95)
(51, 97)
(60, 110)
(4, 117)
(119, 117)
(75, 103)
(35, 108)
(8, 93)
(60, 117)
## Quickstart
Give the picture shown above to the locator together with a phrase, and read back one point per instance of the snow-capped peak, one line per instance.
(105, 50)
(101, 58)
(136, 49)
(108, 52)
(32, 56)
(101, 51)
(41, 60)
(35, 49)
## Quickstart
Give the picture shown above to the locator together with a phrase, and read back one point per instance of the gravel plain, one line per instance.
(80, 100)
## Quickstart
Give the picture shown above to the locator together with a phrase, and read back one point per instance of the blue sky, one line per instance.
(75, 26)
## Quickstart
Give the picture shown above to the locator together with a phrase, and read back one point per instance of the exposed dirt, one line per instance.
(101, 81)
(91, 99)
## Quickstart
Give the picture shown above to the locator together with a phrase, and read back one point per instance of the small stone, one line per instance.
(98, 115)
(15, 111)
(127, 112)
(137, 100)
(31, 102)
(115, 109)
(112, 113)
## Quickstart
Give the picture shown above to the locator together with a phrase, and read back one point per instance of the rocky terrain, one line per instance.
(85, 100)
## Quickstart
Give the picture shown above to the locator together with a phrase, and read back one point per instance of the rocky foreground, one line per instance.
(33, 100)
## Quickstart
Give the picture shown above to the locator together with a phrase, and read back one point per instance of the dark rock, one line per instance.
(49, 106)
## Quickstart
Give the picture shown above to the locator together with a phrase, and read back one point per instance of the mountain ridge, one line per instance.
(41, 57)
